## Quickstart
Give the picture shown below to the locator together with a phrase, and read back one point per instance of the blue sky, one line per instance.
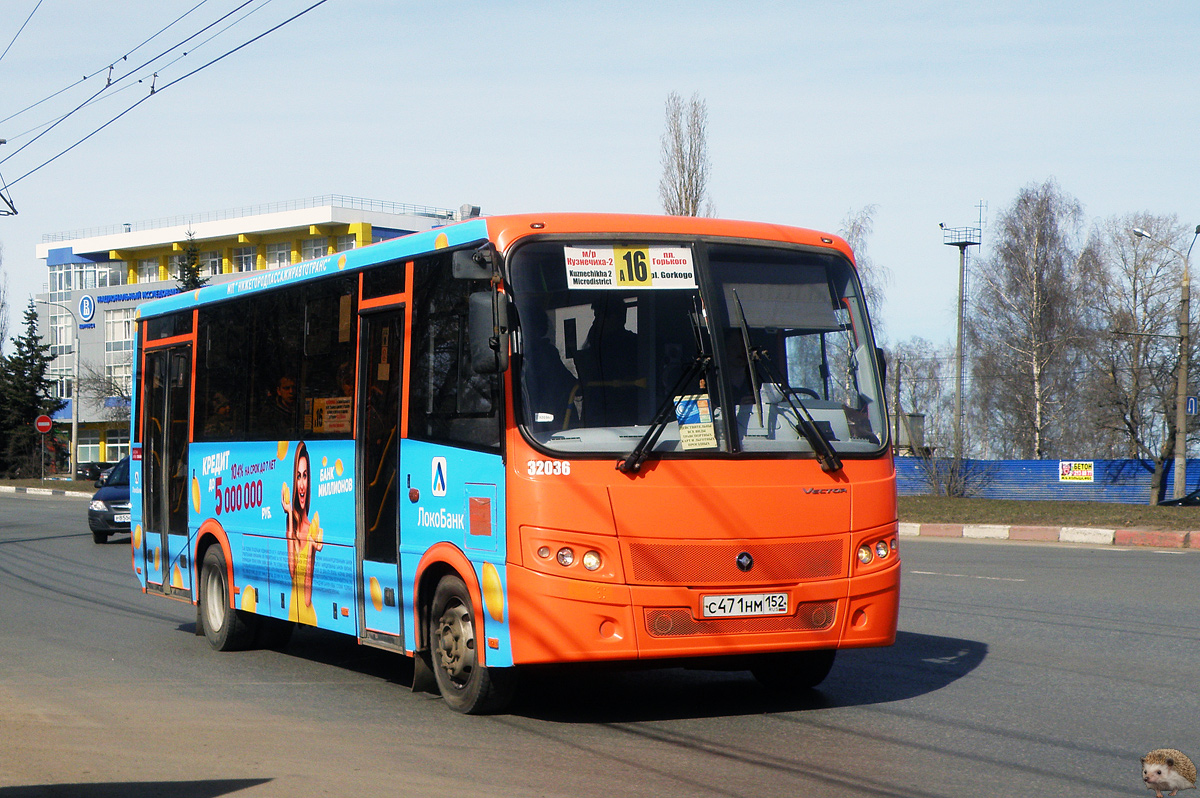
(815, 109)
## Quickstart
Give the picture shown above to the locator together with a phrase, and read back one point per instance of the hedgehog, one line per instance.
(1168, 769)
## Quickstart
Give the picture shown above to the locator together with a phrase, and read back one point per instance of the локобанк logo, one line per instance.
(439, 476)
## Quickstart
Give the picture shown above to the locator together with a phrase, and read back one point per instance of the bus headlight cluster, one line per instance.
(565, 556)
(882, 549)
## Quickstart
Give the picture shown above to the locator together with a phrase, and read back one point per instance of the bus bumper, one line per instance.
(555, 619)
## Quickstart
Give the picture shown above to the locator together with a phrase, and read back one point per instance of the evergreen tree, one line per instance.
(25, 394)
(189, 267)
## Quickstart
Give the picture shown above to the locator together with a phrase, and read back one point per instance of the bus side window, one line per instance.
(449, 402)
(224, 363)
(278, 347)
(327, 379)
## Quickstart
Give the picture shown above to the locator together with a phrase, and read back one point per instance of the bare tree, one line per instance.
(3, 301)
(1136, 356)
(856, 229)
(683, 187)
(111, 395)
(924, 372)
(1028, 324)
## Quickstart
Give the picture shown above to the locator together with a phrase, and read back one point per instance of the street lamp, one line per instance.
(74, 390)
(1185, 289)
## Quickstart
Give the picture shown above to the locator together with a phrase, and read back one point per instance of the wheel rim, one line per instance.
(456, 643)
(214, 600)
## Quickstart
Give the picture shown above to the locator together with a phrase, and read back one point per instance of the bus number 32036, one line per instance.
(546, 468)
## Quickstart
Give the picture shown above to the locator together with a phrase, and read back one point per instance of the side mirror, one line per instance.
(476, 264)
(487, 331)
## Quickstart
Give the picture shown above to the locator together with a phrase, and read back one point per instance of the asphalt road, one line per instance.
(1019, 670)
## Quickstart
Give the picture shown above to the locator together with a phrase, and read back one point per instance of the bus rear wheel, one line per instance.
(225, 628)
(465, 684)
(793, 671)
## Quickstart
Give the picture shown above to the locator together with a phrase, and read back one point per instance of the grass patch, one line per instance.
(1102, 515)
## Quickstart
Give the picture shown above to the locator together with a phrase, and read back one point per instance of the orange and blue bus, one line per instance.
(560, 438)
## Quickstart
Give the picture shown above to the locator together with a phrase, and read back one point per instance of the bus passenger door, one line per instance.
(381, 371)
(167, 420)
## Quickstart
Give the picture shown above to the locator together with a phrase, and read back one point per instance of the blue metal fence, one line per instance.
(1125, 481)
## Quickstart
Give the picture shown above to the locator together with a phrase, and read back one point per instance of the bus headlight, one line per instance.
(864, 554)
(566, 556)
(881, 549)
(592, 560)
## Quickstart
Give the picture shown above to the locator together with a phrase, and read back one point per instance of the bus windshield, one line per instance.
(725, 353)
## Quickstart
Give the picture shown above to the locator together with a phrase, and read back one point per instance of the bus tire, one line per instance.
(465, 685)
(227, 629)
(793, 671)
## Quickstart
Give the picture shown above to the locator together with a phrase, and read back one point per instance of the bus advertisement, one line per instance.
(515, 440)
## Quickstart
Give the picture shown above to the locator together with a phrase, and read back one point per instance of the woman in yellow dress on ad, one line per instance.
(304, 538)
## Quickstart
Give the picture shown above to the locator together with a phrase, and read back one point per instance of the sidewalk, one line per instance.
(75, 494)
(1056, 534)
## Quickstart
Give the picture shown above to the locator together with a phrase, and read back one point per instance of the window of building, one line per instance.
(210, 263)
(88, 450)
(243, 259)
(117, 444)
(60, 382)
(279, 255)
(345, 242)
(117, 273)
(174, 264)
(148, 270)
(118, 350)
(312, 248)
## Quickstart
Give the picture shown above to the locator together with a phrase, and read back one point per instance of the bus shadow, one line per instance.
(212, 788)
(917, 664)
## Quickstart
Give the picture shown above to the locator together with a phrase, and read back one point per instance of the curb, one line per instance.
(1056, 534)
(74, 494)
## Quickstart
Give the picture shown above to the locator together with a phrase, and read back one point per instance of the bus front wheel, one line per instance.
(465, 685)
(794, 670)
(227, 629)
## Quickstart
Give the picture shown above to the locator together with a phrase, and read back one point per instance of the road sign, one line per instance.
(1193, 405)
(43, 424)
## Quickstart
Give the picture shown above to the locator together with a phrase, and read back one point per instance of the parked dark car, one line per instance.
(108, 514)
(90, 472)
(1190, 500)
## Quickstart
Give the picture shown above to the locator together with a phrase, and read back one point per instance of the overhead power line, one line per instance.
(18, 33)
(111, 82)
(164, 87)
(109, 67)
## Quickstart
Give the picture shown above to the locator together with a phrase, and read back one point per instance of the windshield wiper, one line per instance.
(632, 463)
(805, 424)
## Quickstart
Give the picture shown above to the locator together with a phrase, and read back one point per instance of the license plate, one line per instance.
(732, 606)
(121, 518)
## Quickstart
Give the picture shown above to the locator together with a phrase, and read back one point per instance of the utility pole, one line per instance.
(961, 237)
(1185, 295)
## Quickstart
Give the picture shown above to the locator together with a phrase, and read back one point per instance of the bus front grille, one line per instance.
(679, 622)
(717, 562)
